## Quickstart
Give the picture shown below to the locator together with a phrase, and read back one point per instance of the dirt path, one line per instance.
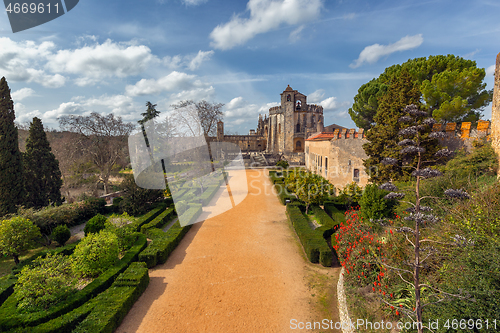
(241, 271)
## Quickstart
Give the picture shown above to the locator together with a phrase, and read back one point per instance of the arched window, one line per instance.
(279, 128)
(298, 128)
(298, 104)
(288, 98)
(298, 145)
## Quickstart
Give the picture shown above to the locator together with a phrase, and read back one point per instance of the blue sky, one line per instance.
(113, 56)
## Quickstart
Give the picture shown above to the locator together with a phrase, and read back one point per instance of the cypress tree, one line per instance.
(11, 169)
(41, 168)
(384, 138)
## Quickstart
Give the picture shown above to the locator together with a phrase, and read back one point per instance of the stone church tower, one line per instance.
(291, 123)
(495, 111)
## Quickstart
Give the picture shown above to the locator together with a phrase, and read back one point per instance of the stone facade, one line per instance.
(495, 111)
(284, 131)
(339, 156)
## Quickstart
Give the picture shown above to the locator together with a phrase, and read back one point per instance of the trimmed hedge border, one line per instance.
(9, 318)
(163, 244)
(282, 195)
(160, 220)
(313, 241)
(148, 217)
(112, 305)
(209, 194)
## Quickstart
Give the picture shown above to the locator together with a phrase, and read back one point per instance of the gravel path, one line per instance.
(240, 271)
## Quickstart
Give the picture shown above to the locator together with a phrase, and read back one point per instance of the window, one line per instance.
(356, 175)
(326, 167)
(299, 103)
(288, 98)
(298, 128)
(279, 128)
(298, 145)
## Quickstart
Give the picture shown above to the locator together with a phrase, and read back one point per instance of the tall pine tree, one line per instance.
(11, 169)
(41, 169)
(383, 138)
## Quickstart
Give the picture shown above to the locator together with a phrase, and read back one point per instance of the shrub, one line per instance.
(43, 283)
(95, 224)
(159, 221)
(282, 164)
(372, 204)
(181, 207)
(95, 253)
(61, 234)
(136, 200)
(16, 236)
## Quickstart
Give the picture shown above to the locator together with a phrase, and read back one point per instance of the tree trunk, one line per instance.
(16, 258)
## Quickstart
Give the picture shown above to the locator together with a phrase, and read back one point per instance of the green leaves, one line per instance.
(16, 236)
(94, 254)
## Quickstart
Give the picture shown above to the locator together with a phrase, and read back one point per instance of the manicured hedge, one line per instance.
(160, 220)
(146, 218)
(112, 305)
(7, 287)
(10, 318)
(283, 195)
(313, 241)
(163, 244)
(191, 214)
(209, 194)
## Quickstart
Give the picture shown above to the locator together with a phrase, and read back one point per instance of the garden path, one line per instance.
(240, 271)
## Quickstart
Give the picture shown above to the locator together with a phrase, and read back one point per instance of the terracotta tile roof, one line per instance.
(322, 136)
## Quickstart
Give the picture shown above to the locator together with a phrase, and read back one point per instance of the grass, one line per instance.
(7, 263)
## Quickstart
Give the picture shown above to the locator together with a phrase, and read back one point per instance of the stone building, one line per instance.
(283, 132)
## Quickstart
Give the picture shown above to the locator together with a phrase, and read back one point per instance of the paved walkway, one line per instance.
(240, 271)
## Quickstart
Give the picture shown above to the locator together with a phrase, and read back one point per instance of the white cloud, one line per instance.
(373, 53)
(64, 109)
(22, 114)
(21, 94)
(173, 81)
(98, 61)
(196, 94)
(316, 96)
(490, 71)
(330, 103)
(265, 15)
(199, 58)
(25, 61)
(295, 35)
(194, 2)
(172, 62)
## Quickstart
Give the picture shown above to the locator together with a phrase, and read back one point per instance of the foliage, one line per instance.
(12, 191)
(95, 253)
(95, 224)
(137, 200)
(372, 204)
(41, 169)
(102, 138)
(45, 282)
(350, 195)
(61, 234)
(310, 188)
(451, 87)
(383, 138)
(16, 236)
(282, 164)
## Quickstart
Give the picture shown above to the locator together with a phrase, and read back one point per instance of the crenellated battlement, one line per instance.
(452, 130)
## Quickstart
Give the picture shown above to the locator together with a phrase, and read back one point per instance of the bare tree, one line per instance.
(103, 138)
(207, 115)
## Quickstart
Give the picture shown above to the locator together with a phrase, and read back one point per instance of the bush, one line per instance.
(16, 236)
(372, 204)
(283, 193)
(159, 221)
(163, 244)
(282, 164)
(45, 282)
(136, 200)
(95, 224)
(95, 253)
(9, 318)
(112, 305)
(191, 214)
(61, 234)
(181, 207)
